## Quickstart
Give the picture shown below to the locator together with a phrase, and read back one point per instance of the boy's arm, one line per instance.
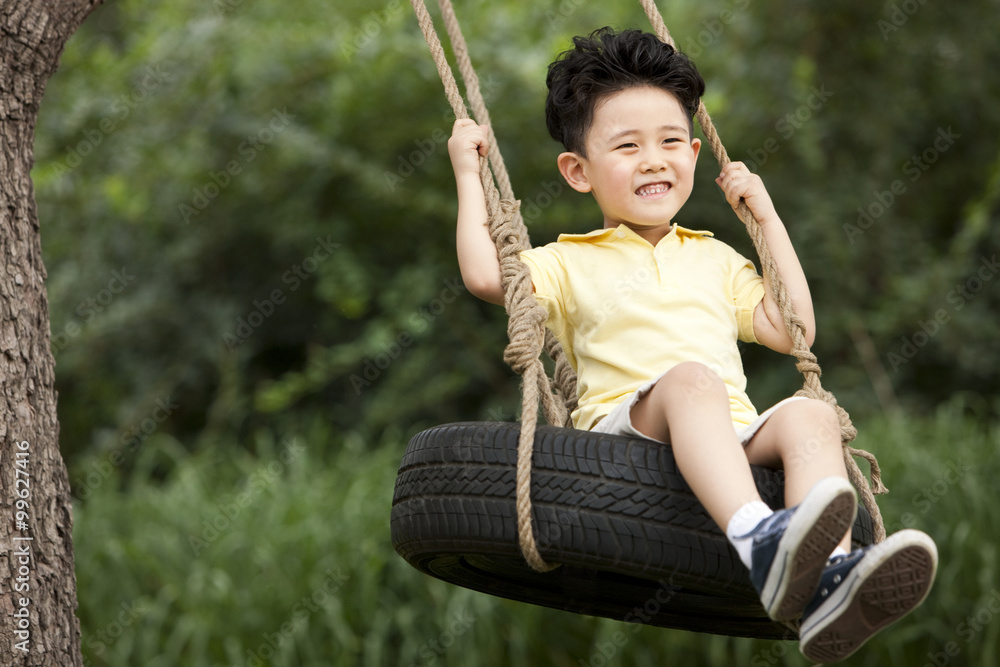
(769, 326)
(477, 254)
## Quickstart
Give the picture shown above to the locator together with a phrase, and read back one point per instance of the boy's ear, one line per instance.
(573, 168)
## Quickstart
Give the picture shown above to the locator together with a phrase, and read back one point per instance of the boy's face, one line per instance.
(640, 160)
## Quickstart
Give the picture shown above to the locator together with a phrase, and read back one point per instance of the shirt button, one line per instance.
(620, 234)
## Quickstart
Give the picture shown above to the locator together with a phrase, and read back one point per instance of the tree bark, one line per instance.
(38, 624)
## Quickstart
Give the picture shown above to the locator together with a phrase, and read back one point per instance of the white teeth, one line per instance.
(653, 189)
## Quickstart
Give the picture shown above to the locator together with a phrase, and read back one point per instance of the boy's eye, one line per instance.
(628, 145)
(671, 140)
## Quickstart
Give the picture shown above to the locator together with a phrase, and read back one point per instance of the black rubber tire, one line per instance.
(632, 541)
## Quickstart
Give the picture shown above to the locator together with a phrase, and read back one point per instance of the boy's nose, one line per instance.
(652, 165)
(652, 162)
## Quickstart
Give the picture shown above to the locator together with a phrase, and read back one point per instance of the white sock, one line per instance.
(745, 520)
(839, 551)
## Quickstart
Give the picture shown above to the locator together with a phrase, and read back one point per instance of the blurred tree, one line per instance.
(37, 571)
(250, 212)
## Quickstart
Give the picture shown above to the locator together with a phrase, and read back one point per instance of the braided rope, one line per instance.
(564, 378)
(478, 104)
(806, 361)
(526, 318)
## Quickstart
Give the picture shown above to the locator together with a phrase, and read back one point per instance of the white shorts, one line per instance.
(619, 420)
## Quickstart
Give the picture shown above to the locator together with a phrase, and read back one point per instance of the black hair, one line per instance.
(604, 63)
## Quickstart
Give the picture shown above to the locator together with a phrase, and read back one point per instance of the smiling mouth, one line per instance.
(653, 189)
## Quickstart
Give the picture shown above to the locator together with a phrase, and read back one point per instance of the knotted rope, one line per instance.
(526, 318)
(806, 361)
(564, 379)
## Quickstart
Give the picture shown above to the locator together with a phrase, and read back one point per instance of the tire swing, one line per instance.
(575, 520)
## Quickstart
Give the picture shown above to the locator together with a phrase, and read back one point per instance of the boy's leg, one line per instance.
(689, 408)
(865, 590)
(803, 439)
(785, 552)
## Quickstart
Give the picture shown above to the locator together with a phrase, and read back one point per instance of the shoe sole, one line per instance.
(817, 527)
(891, 581)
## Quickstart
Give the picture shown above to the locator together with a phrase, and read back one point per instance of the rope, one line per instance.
(476, 100)
(526, 318)
(806, 361)
(564, 378)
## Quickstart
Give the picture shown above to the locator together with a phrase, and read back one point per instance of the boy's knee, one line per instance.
(820, 413)
(814, 431)
(811, 425)
(693, 378)
(690, 372)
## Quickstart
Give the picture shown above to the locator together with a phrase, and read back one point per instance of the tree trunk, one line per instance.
(38, 624)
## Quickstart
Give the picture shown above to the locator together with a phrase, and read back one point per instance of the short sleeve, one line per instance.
(748, 292)
(548, 277)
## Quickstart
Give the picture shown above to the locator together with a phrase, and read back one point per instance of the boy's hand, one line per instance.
(737, 182)
(466, 145)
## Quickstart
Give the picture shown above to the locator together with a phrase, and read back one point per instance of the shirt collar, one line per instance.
(613, 232)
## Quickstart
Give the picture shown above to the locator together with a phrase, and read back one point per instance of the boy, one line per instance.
(649, 314)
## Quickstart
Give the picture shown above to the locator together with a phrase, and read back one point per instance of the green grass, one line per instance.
(282, 557)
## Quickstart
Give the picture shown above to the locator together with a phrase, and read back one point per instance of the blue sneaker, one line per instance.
(864, 591)
(791, 547)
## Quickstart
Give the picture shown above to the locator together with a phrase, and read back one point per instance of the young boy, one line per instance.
(649, 314)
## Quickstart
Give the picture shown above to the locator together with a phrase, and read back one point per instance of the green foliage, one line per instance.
(282, 555)
(275, 186)
(247, 215)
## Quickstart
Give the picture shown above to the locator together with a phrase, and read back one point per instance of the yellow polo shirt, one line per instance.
(626, 312)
